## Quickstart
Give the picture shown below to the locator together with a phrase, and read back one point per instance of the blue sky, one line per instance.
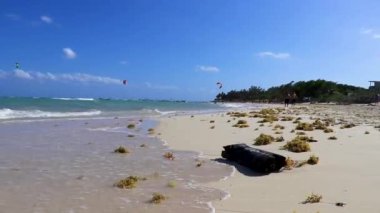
(170, 49)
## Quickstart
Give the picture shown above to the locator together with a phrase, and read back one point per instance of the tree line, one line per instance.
(306, 91)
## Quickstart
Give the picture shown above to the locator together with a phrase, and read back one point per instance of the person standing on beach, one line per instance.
(294, 98)
(287, 99)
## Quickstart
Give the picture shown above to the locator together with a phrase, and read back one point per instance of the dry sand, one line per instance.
(348, 170)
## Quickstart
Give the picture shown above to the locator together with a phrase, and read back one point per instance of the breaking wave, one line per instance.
(15, 114)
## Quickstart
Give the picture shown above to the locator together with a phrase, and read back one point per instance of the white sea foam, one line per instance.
(75, 99)
(15, 114)
(164, 112)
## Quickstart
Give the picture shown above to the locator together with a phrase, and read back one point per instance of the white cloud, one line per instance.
(22, 74)
(160, 87)
(82, 77)
(69, 53)
(204, 68)
(371, 32)
(274, 55)
(13, 17)
(75, 77)
(124, 62)
(366, 31)
(46, 19)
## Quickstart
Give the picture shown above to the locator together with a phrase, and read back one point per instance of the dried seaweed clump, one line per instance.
(172, 184)
(304, 126)
(158, 198)
(366, 132)
(129, 182)
(307, 139)
(278, 126)
(313, 198)
(263, 139)
(287, 118)
(346, 126)
(122, 150)
(297, 145)
(237, 114)
(313, 160)
(332, 138)
(267, 115)
(289, 163)
(241, 124)
(279, 139)
(318, 124)
(169, 155)
(131, 126)
(328, 130)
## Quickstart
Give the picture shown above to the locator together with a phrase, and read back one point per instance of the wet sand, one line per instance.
(347, 171)
(69, 166)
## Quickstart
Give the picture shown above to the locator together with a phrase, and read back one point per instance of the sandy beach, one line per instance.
(347, 171)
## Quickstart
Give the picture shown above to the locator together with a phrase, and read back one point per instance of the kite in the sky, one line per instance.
(17, 65)
(125, 82)
(220, 85)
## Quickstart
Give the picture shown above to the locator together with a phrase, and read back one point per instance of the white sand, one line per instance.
(348, 170)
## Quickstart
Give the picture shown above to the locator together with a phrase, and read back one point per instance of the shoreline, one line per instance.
(352, 154)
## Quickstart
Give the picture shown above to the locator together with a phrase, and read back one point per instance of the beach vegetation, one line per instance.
(122, 150)
(304, 126)
(332, 138)
(297, 145)
(212, 121)
(366, 132)
(263, 139)
(278, 126)
(151, 131)
(279, 139)
(131, 136)
(241, 124)
(212, 127)
(316, 90)
(300, 133)
(237, 114)
(158, 198)
(306, 138)
(172, 184)
(169, 155)
(313, 198)
(278, 132)
(328, 130)
(129, 182)
(289, 163)
(131, 126)
(313, 159)
(287, 118)
(346, 126)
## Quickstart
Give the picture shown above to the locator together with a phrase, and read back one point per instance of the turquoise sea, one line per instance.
(32, 107)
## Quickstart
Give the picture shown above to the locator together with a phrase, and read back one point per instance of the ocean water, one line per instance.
(21, 108)
(56, 155)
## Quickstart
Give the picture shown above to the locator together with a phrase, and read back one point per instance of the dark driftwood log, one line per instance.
(255, 159)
